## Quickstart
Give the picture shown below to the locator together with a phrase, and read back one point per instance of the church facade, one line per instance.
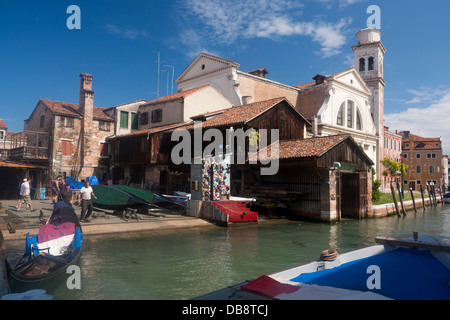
(349, 102)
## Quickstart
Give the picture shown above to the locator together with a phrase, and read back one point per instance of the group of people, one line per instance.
(61, 192)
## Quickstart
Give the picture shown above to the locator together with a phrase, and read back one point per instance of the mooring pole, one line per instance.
(401, 198)
(423, 198)
(412, 197)
(395, 200)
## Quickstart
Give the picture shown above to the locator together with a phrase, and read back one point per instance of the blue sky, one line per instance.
(292, 39)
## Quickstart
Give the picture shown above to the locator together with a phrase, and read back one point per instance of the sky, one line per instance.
(118, 41)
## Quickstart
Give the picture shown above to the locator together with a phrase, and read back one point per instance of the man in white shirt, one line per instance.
(25, 195)
(86, 203)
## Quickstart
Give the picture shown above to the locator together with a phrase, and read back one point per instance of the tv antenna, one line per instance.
(173, 73)
(159, 67)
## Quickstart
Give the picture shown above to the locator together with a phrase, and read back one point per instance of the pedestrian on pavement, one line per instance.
(25, 195)
(86, 203)
(67, 194)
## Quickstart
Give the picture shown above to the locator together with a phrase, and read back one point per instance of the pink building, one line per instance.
(392, 150)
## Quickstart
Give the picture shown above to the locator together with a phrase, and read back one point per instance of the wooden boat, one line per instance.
(447, 197)
(416, 268)
(109, 197)
(149, 197)
(49, 253)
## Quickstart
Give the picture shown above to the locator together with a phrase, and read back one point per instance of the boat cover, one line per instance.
(405, 274)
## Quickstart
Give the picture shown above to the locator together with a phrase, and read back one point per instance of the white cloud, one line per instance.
(430, 121)
(128, 33)
(224, 22)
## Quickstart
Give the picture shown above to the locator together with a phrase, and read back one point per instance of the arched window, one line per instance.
(431, 169)
(362, 64)
(358, 121)
(418, 169)
(350, 113)
(371, 63)
(340, 115)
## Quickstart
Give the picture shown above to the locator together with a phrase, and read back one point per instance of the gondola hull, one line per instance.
(112, 198)
(150, 198)
(48, 255)
(19, 283)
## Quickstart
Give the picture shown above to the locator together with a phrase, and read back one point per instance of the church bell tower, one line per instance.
(369, 55)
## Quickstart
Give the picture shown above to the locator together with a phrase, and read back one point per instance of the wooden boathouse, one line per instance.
(325, 178)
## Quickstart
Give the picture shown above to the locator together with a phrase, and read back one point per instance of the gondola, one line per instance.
(112, 198)
(49, 253)
(150, 197)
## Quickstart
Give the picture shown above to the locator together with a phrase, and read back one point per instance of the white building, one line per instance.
(348, 102)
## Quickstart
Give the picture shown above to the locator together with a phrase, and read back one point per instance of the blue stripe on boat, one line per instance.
(405, 274)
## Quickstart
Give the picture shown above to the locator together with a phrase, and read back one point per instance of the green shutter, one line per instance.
(123, 120)
(134, 121)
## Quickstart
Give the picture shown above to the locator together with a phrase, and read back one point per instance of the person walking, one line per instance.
(25, 195)
(67, 194)
(85, 194)
(56, 189)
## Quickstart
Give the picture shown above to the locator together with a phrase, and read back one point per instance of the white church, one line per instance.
(350, 101)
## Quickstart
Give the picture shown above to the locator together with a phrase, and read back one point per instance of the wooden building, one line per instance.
(325, 178)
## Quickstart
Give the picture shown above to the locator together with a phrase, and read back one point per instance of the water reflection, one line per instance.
(182, 264)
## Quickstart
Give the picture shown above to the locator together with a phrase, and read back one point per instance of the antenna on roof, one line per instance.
(159, 65)
(173, 73)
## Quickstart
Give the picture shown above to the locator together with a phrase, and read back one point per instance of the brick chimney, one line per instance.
(86, 108)
(261, 72)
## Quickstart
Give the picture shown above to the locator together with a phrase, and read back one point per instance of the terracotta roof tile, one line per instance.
(177, 95)
(3, 124)
(72, 109)
(305, 148)
(152, 130)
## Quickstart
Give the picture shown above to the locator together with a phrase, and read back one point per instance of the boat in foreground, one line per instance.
(415, 268)
(49, 253)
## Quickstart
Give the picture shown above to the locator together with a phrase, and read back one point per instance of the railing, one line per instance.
(29, 152)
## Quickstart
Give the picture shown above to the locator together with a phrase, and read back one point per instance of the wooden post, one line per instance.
(429, 194)
(412, 197)
(395, 200)
(401, 198)
(423, 198)
(433, 193)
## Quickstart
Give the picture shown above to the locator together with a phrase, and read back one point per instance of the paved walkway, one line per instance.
(101, 221)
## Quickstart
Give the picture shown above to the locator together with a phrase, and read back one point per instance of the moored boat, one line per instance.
(150, 197)
(447, 197)
(416, 268)
(109, 197)
(49, 253)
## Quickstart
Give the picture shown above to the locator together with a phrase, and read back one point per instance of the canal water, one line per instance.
(182, 264)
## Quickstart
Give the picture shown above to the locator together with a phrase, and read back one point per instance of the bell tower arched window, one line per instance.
(371, 63)
(362, 64)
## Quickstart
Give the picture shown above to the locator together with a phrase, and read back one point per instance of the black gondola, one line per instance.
(49, 253)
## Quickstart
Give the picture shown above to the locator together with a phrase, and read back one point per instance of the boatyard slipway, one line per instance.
(101, 221)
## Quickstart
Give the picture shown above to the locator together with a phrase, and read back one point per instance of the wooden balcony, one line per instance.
(27, 145)
(29, 153)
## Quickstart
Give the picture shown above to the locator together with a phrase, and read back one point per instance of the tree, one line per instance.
(393, 168)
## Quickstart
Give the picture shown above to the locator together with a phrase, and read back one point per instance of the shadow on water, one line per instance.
(181, 264)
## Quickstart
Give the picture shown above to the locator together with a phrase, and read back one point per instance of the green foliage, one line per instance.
(393, 168)
(375, 187)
